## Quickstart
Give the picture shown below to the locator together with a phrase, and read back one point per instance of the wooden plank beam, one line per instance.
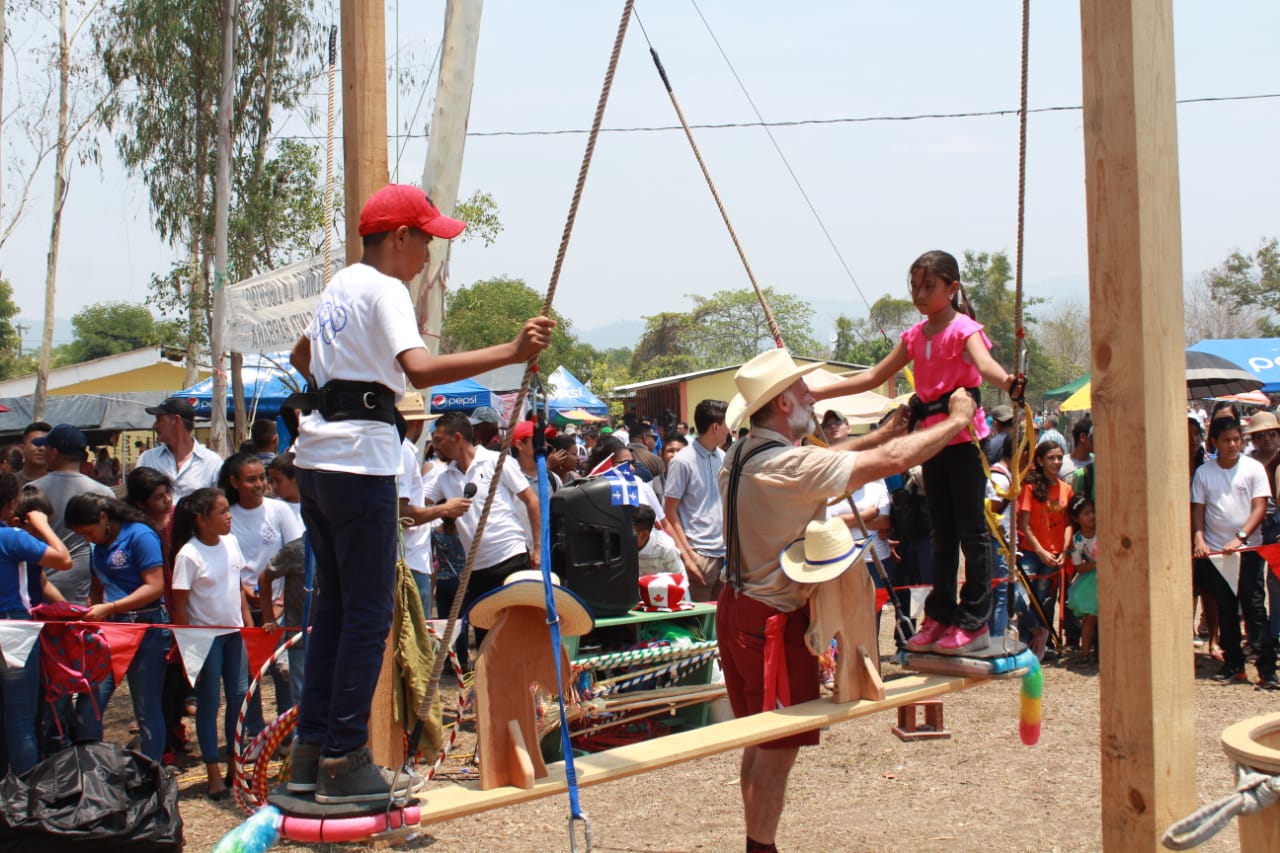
(460, 800)
(1135, 287)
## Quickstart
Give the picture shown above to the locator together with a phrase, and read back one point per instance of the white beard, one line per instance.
(800, 421)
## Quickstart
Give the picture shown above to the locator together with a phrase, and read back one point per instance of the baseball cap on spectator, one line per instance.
(179, 406)
(570, 429)
(832, 417)
(401, 204)
(1002, 414)
(523, 430)
(65, 439)
(484, 415)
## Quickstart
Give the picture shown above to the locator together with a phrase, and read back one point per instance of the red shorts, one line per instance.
(740, 631)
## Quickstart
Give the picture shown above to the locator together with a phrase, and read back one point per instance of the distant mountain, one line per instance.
(621, 333)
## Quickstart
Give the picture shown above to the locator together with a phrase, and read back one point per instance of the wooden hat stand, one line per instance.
(844, 609)
(513, 655)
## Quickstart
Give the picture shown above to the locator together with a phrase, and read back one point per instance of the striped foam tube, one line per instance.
(1030, 704)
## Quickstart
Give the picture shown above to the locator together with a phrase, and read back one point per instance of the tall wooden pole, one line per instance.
(448, 135)
(221, 217)
(364, 149)
(1135, 288)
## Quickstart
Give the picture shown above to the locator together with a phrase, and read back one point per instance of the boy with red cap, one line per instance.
(360, 348)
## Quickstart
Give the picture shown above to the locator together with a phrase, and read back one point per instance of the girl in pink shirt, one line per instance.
(951, 353)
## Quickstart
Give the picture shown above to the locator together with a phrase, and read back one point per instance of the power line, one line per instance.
(810, 122)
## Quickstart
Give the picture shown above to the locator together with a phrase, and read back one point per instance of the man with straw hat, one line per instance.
(770, 490)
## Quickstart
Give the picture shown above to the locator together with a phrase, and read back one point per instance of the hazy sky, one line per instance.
(648, 232)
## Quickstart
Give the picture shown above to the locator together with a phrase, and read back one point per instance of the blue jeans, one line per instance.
(1044, 585)
(999, 620)
(146, 686)
(223, 673)
(20, 687)
(424, 592)
(352, 521)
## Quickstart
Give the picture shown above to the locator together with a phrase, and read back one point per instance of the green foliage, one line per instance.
(12, 361)
(1250, 283)
(986, 280)
(163, 58)
(107, 328)
(480, 212)
(725, 328)
(869, 340)
(494, 310)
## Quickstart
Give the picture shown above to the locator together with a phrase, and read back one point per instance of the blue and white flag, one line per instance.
(623, 490)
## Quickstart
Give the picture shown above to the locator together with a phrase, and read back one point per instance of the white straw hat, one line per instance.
(827, 549)
(413, 407)
(760, 380)
(525, 589)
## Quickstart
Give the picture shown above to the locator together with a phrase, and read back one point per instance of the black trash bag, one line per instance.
(92, 796)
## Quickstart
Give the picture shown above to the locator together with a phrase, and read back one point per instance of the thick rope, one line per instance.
(456, 608)
(328, 160)
(724, 214)
(1254, 792)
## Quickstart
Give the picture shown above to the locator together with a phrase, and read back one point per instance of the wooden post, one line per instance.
(1135, 287)
(443, 170)
(364, 150)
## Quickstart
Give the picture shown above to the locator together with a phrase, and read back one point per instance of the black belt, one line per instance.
(346, 400)
(918, 409)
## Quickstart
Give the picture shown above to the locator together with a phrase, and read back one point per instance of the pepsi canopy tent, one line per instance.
(463, 396)
(565, 393)
(1259, 356)
(268, 382)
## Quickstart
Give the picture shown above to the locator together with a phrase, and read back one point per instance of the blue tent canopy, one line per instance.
(268, 382)
(565, 392)
(1259, 356)
(463, 396)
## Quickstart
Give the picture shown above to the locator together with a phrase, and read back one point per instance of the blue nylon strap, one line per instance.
(553, 619)
(308, 585)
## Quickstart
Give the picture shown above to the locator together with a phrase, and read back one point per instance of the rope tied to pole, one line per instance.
(1254, 792)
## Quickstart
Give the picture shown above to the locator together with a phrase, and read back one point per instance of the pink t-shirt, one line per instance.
(942, 365)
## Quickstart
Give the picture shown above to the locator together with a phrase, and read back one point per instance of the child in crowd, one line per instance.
(261, 527)
(1082, 598)
(26, 544)
(128, 586)
(1045, 532)
(283, 475)
(206, 591)
(951, 354)
(658, 552)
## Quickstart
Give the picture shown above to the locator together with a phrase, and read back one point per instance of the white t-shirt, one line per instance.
(364, 320)
(660, 554)
(503, 531)
(873, 494)
(212, 574)
(1227, 495)
(417, 539)
(261, 532)
(997, 486)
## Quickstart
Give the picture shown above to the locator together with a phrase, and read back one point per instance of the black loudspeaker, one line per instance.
(593, 547)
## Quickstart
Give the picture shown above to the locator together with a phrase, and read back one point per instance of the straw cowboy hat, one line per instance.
(1261, 422)
(525, 589)
(826, 550)
(760, 380)
(413, 408)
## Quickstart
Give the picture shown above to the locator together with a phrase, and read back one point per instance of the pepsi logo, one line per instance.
(438, 400)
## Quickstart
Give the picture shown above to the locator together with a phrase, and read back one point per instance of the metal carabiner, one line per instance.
(573, 835)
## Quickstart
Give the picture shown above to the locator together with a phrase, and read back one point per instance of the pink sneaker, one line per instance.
(930, 632)
(958, 641)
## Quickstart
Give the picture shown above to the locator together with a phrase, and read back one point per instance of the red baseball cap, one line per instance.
(523, 430)
(403, 204)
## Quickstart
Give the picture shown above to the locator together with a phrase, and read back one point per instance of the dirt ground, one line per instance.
(862, 790)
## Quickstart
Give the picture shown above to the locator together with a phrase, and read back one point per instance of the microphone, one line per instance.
(469, 492)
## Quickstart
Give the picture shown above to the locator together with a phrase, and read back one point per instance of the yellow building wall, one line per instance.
(156, 377)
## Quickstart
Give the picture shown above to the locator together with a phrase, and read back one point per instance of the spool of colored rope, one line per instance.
(1030, 704)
